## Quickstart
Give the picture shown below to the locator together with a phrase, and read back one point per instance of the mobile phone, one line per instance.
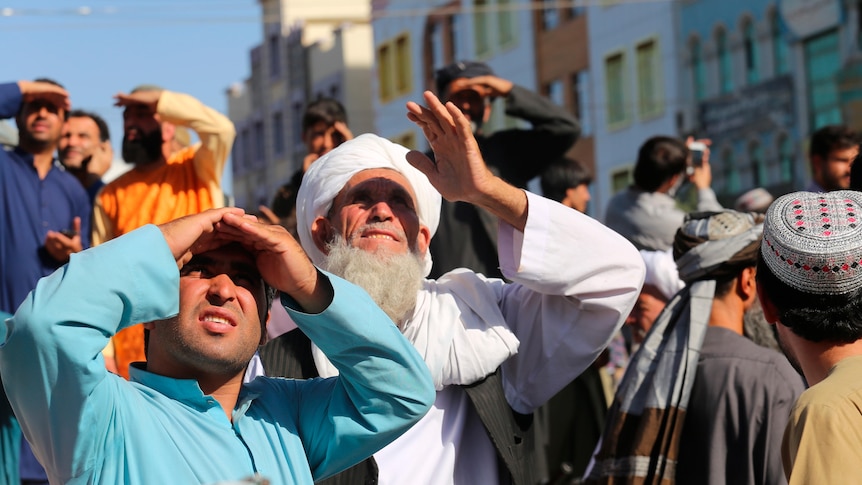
(68, 233)
(697, 150)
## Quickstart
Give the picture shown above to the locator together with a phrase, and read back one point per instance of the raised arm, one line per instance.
(458, 170)
(216, 133)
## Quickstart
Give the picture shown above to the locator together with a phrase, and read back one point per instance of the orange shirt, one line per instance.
(188, 183)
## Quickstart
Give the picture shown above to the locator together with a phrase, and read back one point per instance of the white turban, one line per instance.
(329, 174)
(661, 272)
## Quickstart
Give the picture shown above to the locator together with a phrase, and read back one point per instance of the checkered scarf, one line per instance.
(640, 442)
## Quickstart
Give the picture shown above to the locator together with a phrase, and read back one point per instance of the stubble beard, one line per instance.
(392, 280)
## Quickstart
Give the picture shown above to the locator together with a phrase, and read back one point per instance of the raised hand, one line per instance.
(195, 233)
(458, 171)
(280, 259)
(148, 98)
(33, 90)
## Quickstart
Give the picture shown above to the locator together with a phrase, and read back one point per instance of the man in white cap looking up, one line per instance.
(496, 350)
(809, 279)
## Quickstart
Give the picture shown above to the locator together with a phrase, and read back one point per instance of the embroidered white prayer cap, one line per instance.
(813, 241)
(328, 175)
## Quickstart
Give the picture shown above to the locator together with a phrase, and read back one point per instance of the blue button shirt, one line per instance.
(29, 208)
(92, 427)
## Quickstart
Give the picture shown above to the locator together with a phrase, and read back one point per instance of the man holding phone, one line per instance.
(646, 213)
(85, 149)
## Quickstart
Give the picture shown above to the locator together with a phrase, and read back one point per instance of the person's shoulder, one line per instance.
(841, 387)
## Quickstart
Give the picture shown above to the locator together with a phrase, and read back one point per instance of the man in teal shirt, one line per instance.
(185, 416)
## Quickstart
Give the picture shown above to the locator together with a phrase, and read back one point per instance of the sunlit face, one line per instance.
(647, 308)
(79, 141)
(833, 173)
(40, 122)
(321, 138)
(376, 210)
(577, 198)
(470, 101)
(139, 120)
(221, 319)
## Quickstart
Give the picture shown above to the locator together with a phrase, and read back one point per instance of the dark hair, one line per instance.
(817, 318)
(659, 159)
(104, 134)
(563, 174)
(326, 110)
(832, 137)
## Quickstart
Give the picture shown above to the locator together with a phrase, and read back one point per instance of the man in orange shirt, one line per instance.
(164, 184)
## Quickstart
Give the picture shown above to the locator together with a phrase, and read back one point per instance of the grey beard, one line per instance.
(392, 280)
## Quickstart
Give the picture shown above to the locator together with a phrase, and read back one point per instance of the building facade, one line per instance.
(634, 72)
(309, 49)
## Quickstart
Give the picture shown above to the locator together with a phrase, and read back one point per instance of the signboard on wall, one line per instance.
(765, 107)
(805, 18)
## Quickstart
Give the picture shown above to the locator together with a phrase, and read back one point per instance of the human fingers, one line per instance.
(181, 234)
(425, 119)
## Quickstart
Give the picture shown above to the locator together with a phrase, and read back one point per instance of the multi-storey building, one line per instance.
(414, 38)
(310, 49)
(634, 80)
(562, 70)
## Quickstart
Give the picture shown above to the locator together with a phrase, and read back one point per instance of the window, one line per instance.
(550, 15)
(758, 165)
(394, 68)
(237, 157)
(731, 175)
(822, 62)
(259, 143)
(505, 27)
(580, 93)
(698, 74)
(554, 92)
(649, 84)
(438, 56)
(406, 139)
(384, 71)
(725, 68)
(615, 87)
(577, 9)
(620, 179)
(785, 159)
(480, 27)
(454, 35)
(297, 111)
(278, 133)
(750, 49)
(403, 72)
(274, 57)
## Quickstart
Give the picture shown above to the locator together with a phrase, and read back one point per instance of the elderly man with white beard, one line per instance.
(496, 350)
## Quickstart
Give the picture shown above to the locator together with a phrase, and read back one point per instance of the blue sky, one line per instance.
(199, 47)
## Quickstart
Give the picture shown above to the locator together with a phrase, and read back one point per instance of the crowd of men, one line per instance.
(405, 317)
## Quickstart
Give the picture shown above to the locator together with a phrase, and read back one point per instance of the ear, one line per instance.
(321, 233)
(748, 282)
(168, 131)
(423, 240)
(770, 313)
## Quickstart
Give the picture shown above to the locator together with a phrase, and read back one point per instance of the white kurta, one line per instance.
(574, 282)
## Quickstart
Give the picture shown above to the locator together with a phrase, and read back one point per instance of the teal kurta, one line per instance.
(89, 426)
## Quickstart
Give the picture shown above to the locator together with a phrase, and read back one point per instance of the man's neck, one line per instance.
(226, 392)
(43, 163)
(818, 358)
(727, 315)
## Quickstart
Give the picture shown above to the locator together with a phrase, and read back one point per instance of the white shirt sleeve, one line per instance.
(575, 281)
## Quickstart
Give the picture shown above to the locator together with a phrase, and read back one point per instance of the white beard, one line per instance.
(392, 280)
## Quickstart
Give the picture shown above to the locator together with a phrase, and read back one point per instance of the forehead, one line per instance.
(380, 179)
(138, 110)
(82, 123)
(228, 257)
